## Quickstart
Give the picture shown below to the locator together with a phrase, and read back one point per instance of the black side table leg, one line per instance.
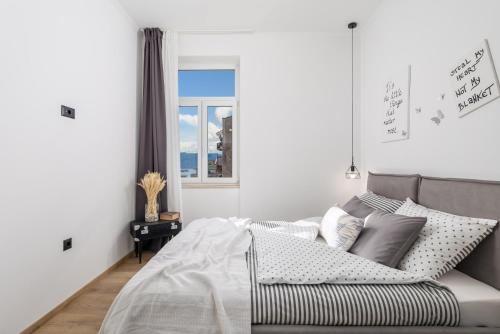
(140, 251)
(136, 248)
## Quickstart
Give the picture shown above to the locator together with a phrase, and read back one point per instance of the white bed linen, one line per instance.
(197, 283)
(285, 259)
(479, 303)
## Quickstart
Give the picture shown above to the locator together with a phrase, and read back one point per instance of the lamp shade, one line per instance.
(352, 173)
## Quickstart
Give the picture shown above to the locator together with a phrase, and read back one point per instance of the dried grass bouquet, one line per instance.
(152, 183)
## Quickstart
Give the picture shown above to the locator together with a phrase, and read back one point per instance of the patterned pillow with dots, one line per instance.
(444, 241)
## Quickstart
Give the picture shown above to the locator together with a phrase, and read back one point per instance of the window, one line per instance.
(208, 126)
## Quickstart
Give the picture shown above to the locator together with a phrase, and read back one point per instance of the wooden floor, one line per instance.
(85, 314)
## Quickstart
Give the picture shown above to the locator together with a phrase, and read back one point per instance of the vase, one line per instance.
(151, 211)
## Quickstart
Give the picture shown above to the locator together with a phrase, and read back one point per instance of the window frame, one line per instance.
(194, 103)
(203, 181)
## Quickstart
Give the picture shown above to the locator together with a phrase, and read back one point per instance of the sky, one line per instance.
(203, 83)
(206, 83)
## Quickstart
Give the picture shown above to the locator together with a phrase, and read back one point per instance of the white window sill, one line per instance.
(209, 185)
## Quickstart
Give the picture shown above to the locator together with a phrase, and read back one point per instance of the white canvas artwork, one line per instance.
(474, 80)
(396, 106)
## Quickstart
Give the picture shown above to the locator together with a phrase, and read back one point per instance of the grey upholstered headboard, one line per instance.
(463, 197)
(394, 186)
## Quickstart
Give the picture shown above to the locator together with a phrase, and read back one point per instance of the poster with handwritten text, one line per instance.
(474, 80)
(395, 120)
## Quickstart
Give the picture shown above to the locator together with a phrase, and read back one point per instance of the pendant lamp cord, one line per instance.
(352, 96)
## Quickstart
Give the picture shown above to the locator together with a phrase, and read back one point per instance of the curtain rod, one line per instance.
(218, 31)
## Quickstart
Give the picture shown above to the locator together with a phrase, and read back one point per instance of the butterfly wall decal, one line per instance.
(437, 119)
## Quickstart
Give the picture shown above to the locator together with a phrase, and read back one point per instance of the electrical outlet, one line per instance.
(67, 244)
(67, 112)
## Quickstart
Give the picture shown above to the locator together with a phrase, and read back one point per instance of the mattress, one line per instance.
(478, 302)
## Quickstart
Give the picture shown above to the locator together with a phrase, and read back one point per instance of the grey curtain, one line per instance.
(152, 126)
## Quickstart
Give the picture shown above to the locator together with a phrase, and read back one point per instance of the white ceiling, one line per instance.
(258, 15)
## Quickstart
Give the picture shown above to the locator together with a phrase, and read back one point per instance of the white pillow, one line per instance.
(443, 242)
(306, 228)
(339, 229)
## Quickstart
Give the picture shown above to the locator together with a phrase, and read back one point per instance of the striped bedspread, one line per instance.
(418, 304)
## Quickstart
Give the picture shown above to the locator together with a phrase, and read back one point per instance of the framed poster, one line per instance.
(474, 80)
(396, 106)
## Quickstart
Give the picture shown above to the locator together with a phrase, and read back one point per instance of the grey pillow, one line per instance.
(386, 237)
(355, 207)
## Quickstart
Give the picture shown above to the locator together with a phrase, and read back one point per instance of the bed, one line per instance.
(474, 284)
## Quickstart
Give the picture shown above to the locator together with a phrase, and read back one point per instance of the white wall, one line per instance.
(294, 124)
(219, 202)
(60, 177)
(431, 36)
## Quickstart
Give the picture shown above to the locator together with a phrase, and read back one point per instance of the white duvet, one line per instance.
(285, 259)
(198, 283)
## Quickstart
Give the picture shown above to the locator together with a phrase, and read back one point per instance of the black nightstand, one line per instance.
(142, 231)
